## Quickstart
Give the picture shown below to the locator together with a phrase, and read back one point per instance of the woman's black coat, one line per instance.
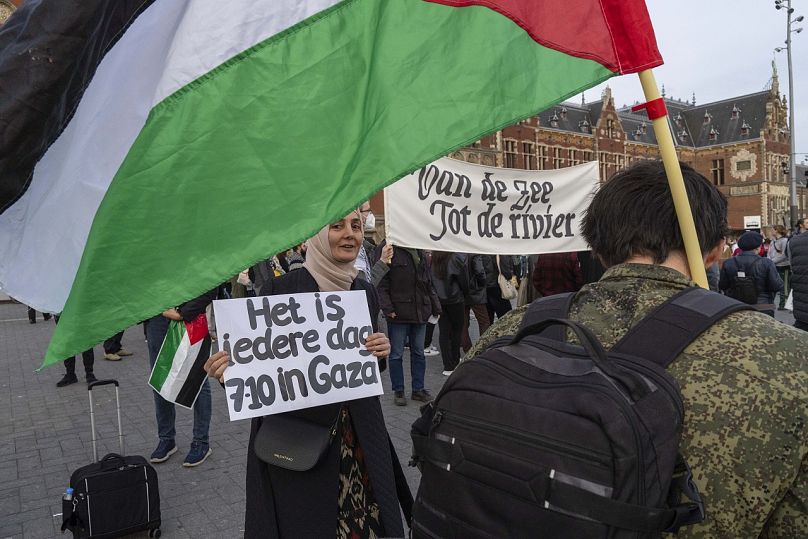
(287, 504)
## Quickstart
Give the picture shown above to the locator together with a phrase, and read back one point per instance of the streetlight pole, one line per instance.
(778, 4)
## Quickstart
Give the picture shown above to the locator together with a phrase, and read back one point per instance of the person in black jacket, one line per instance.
(351, 491)
(798, 248)
(156, 329)
(407, 298)
(476, 299)
(767, 281)
(451, 280)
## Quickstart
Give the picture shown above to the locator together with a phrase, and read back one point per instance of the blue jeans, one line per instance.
(398, 332)
(165, 411)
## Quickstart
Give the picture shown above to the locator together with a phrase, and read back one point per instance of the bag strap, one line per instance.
(402, 488)
(673, 325)
(572, 496)
(754, 270)
(542, 309)
(621, 515)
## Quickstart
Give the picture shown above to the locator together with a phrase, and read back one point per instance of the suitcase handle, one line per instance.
(92, 414)
(112, 461)
(101, 383)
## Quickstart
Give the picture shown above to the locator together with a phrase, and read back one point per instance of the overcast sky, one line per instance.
(719, 49)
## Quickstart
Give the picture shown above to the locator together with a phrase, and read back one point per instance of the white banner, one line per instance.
(289, 352)
(455, 206)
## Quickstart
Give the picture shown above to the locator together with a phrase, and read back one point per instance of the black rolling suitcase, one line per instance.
(115, 496)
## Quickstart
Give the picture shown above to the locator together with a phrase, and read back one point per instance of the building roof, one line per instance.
(730, 120)
(720, 122)
(568, 117)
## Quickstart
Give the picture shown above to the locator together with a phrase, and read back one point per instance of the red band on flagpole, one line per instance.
(655, 108)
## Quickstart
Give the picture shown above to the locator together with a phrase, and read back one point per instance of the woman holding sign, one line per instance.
(351, 484)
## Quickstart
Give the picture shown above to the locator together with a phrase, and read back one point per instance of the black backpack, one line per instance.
(743, 288)
(540, 437)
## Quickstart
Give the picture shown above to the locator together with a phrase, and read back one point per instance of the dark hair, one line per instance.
(780, 229)
(633, 214)
(440, 263)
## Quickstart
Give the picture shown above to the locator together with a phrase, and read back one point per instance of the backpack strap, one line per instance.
(557, 306)
(672, 326)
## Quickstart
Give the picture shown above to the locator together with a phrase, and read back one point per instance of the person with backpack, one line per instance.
(742, 382)
(750, 278)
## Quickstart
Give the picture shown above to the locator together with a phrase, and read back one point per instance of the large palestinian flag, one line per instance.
(151, 149)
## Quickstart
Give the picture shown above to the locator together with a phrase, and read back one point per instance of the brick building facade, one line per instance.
(740, 143)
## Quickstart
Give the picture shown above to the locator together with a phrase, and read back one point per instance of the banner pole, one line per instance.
(676, 182)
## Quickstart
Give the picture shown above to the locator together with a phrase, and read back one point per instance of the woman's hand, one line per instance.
(172, 314)
(216, 364)
(379, 344)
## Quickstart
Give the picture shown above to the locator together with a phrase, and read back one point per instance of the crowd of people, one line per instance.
(743, 381)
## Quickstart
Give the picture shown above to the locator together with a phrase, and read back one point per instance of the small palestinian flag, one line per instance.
(177, 374)
(151, 149)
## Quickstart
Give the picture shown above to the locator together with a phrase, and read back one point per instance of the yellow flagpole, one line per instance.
(676, 183)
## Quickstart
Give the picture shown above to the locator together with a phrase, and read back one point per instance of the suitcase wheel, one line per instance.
(155, 533)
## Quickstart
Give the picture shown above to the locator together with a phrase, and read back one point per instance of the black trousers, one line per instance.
(451, 332)
(430, 330)
(113, 344)
(88, 356)
(497, 305)
(32, 315)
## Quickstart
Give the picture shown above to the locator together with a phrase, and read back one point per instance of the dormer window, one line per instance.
(736, 112)
(584, 126)
(678, 119)
(644, 128)
(638, 133)
(713, 133)
(554, 120)
(683, 134)
(564, 112)
(745, 129)
(707, 117)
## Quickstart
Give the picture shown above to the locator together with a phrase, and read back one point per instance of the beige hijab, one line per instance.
(330, 274)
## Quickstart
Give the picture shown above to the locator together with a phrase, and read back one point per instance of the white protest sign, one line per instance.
(289, 352)
(455, 206)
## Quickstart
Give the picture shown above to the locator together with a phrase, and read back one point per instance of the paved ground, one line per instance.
(45, 435)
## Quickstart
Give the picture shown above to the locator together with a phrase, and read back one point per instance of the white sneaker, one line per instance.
(431, 351)
(447, 373)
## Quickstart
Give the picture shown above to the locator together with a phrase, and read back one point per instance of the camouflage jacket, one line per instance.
(745, 388)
